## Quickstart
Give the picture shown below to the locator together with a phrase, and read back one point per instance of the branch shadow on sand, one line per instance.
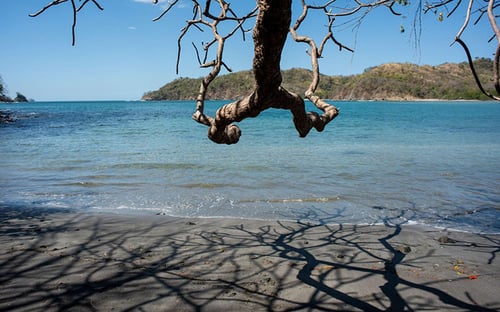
(57, 261)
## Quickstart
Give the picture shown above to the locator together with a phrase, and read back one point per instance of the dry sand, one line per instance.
(73, 261)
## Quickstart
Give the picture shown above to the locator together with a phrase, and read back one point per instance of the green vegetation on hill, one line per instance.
(393, 81)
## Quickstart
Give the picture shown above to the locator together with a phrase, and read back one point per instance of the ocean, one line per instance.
(432, 163)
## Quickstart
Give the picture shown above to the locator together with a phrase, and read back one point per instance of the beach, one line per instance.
(127, 206)
(70, 260)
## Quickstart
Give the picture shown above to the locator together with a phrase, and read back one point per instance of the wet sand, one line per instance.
(76, 261)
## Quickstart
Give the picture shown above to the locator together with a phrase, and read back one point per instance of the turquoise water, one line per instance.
(436, 163)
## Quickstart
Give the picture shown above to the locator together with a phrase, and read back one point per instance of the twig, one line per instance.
(494, 26)
(55, 2)
(171, 5)
(466, 21)
(73, 27)
(473, 70)
(74, 9)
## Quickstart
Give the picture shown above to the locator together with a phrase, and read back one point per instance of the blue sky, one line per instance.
(120, 53)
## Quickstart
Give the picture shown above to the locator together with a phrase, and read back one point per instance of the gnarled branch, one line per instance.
(270, 32)
(488, 9)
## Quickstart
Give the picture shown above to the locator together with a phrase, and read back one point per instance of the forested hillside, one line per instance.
(393, 81)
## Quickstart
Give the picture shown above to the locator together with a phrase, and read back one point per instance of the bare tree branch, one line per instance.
(87, 1)
(55, 2)
(171, 5)
(481, 11)
(473, 70)
(74, 9)
(204, 18)
(467, 18)
(494, 26)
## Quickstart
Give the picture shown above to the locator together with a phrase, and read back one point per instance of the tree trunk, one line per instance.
(270, 33)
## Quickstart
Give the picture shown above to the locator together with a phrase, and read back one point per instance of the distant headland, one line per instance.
(392, 81)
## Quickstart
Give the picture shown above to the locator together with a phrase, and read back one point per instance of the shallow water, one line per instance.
(428, 162)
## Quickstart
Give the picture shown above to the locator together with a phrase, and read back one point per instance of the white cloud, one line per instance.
(132, 27)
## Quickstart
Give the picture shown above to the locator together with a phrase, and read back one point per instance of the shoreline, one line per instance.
(55, 260)
(465, 228)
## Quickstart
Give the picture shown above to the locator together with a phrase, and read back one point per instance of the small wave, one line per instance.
(208, 185)
(292, 200)
(89, 184)
(156, 166)
(82, 184)
(353, 152)
(101, 177)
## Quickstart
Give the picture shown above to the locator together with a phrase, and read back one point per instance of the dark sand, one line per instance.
(69, 261)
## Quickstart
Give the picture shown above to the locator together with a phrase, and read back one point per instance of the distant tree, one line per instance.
(20, 98)
(272, 20)
(3, 96)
